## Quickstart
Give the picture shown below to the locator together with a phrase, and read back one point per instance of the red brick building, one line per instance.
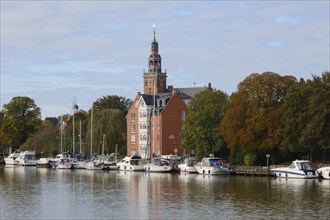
(155, 119)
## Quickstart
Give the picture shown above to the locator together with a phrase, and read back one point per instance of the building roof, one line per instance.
(55, 121)
(192, 91)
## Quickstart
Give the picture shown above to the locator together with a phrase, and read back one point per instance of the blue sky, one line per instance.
(52, 51)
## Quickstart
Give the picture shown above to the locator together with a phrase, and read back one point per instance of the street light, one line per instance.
(267, 155)
(176, 151)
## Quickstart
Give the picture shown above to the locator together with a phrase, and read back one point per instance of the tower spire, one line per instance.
(154, 26)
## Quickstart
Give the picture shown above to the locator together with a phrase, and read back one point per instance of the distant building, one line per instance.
(55, 121)
(155, 119)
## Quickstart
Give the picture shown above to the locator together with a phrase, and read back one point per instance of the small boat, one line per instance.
(95, 165)
(158, 165)
(11, 159)
(64, 163)
(79, 164)
(43, 163)
(110, 165)
(297, 169)
(132, 163)
(188, 165)
(324, 172)
(213, 166)
(27, 158)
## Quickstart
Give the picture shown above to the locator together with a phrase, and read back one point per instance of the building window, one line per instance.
(132, 138)
(132, 128)
(183, 115)
(132, 116)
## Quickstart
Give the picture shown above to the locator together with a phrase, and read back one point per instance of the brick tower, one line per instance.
(154, 80)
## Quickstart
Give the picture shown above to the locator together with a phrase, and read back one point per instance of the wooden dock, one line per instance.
(252, 171)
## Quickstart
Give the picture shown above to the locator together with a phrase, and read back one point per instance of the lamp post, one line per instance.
(176, 151)
(267, 155)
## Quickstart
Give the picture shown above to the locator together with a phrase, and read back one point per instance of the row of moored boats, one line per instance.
(208, 166)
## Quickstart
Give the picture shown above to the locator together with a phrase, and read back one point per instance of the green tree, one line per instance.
(252, 121)
(45, 141)
(110, 123)
(306, 116)
(22, 116)
(112, 102)
(201, 127)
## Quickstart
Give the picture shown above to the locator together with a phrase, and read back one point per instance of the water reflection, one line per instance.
(90, 194)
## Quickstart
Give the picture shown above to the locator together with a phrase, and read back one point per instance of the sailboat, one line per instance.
(76, 163)
(93, 164)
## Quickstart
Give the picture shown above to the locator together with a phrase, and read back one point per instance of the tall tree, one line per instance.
(201, 127)
(22, 116)
(252, 121)
(112, 102)
(306, 116)
(111, 124)
(45, 141)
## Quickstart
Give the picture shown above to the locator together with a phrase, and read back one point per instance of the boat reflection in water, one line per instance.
(98, 194)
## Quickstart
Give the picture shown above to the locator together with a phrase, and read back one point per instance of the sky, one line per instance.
(53, 51)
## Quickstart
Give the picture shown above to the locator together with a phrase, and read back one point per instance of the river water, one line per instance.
(32, 193)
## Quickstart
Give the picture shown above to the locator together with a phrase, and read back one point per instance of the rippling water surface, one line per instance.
(31, 193)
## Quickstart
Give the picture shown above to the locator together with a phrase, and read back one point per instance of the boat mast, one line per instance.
(74, 110)
(79, 136)
(91, 132)
(61, 134)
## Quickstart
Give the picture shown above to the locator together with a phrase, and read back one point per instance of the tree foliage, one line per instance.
(110, 123)
(112, 102)
(45, 141)
(306, 116)
(201, 127)
(22, 116)
(252, 121)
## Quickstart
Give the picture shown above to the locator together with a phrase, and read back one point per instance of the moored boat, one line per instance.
(64, 163)
(324, 172)
(213, 166)
(158, 165)
(132, 163)
(11, 159)
(27, 158)
(297, 169)
(188, 165)
(43, 163)
(94, 165)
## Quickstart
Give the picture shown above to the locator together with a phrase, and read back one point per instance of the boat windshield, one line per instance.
(304, 166)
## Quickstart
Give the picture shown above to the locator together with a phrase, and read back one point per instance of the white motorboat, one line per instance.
(132, 163)
(64, 163)
(324, 172)
(27, 158)
(212, 166)
(188, 165)
(79, 164)
(94, 165)
(297, 169)
(11, 159)
(43, 163)
(158, 165)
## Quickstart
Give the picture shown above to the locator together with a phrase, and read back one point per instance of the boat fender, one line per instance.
(203, 171)
(329, 174)
(124, 167)
(209, 171)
